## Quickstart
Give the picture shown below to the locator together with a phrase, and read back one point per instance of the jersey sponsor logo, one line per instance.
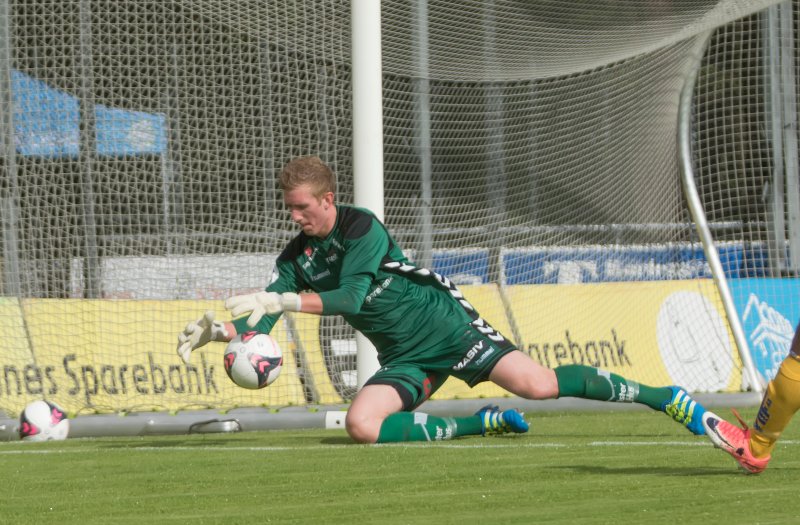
(337, 244)
(378, 290)
(484, 356)
(470, 355)
(319, 276)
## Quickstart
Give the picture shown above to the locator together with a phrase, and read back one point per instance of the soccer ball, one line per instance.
(253, 360)
(43, 421)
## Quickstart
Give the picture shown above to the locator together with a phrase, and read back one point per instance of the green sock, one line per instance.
(417, 426)
(593, 383)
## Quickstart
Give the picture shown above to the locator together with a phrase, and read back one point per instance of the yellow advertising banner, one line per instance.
(309, 340)
(119, 355)
(657, 332)
(100, 355)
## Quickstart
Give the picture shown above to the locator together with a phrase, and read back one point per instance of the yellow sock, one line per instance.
(780, 402)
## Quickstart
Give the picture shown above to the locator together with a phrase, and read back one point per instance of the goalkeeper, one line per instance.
(423, 328)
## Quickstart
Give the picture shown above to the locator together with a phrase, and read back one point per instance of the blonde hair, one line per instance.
(310, 171)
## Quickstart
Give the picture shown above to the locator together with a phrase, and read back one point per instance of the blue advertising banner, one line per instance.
(46, 124)
(462, 266)
(626, 263)
(769, 312)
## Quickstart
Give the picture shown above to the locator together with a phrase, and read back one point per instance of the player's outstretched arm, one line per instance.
(201, 332)
(260, 304)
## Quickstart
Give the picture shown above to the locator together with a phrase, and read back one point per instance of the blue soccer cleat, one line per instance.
(685, 410)
(494, 421)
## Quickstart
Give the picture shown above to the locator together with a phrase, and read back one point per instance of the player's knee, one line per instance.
(361, 428)
(521, 375)
(533, 385)
(538, 388)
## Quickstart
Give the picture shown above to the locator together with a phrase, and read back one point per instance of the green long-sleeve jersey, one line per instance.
(361, 274)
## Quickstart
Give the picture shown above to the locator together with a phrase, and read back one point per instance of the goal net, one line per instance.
(531, 155)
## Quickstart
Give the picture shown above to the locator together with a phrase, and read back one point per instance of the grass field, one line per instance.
(594, 467)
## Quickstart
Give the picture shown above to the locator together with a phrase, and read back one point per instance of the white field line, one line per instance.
(222, 448)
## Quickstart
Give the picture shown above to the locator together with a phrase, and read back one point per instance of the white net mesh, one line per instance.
(530, 154)
(745, 158)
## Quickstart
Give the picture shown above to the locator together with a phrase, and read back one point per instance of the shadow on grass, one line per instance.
(149, 442)
(237, 440)
(648, 470)
(337, 440)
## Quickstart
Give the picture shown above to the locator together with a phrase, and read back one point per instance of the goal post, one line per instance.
(367, 137)
(699, 217)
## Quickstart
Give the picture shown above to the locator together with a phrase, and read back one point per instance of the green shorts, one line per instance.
(469, 355)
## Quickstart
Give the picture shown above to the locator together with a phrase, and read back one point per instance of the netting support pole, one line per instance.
(367, 81)
(10, 200)
(789, 134)
(776, 209)
(781, 100)
(699, 216)
(87, 153)
(497, 178)
(422, 119)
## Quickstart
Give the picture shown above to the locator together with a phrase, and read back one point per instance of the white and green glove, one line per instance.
(261, 304)
(199, 333)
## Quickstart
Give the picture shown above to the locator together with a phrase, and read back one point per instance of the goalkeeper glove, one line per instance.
(199, 333)
(261, 304)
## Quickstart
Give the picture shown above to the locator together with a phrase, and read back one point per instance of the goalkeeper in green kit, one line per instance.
(423, 328)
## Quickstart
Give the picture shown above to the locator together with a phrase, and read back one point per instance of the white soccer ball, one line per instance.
(253, 360)
(43, 421)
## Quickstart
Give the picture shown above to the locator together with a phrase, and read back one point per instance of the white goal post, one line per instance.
(367, 136)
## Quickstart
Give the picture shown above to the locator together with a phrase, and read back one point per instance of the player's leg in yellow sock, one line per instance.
(780, 402)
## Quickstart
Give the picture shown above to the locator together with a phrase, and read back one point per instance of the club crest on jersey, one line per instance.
(310, 253)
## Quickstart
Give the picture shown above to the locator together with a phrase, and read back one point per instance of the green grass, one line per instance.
(596, 467)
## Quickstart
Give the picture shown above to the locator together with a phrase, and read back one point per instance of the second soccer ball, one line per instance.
(43, 421)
